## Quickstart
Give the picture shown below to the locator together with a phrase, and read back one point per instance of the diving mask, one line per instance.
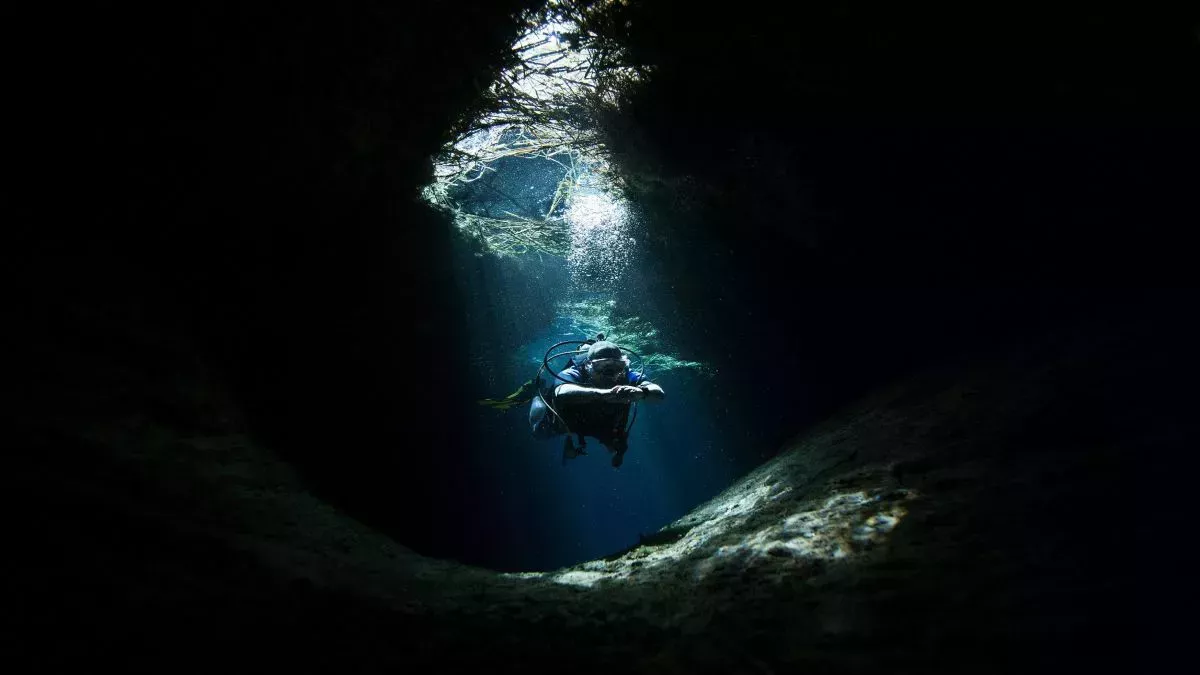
(611, 369)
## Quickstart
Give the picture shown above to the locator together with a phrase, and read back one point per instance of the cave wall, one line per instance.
(862, 190)
(216, 224)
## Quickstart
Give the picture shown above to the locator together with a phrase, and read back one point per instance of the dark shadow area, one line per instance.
(233, 189)
(215, 227)
(862, 191)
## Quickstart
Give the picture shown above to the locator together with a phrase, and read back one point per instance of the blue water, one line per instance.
(534, 512)
(520, 507)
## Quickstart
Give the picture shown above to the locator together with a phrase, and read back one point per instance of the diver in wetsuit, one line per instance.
(593, 397)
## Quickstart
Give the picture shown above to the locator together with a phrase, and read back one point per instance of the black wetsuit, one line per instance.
(606, 422)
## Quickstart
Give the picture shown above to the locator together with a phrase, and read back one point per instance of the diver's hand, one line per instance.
(624, 393)
(654, 393)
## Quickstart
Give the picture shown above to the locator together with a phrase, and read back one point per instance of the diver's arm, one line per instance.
(653, 392)
(573, 394)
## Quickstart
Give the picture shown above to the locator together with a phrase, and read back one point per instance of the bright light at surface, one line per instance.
(541, 48)
(538, 110)
(601, 245)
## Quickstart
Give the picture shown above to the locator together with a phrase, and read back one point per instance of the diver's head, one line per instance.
(605, 364)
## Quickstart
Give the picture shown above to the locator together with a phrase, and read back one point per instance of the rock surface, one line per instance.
(959, 521)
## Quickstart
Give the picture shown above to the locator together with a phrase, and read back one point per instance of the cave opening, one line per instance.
(540, 218)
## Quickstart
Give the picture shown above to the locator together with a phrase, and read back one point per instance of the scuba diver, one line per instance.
(593, 395)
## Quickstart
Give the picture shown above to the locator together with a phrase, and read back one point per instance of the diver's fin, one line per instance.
(498, 403)
(523, 394)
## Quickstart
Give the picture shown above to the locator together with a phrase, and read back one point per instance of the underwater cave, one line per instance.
(289, 285)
